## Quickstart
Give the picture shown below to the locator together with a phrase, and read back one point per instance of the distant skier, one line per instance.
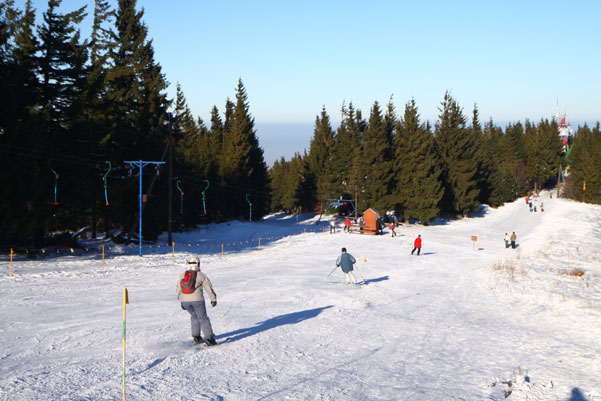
(346, 262)
(417, 244)
(347, 225)
(513, 238)
(506, 238)
(391, 228)
(332, 226)
(190, 293)
(542, 207)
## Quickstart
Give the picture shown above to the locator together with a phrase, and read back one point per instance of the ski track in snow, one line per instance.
(459, 322)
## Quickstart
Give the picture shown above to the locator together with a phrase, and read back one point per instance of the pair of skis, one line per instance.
(363, 278)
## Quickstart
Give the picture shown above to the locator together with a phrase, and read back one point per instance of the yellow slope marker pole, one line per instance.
(362, 269)
(102, 257)
(11, 262)
(173, 250)
(125, 302)
(259, 245)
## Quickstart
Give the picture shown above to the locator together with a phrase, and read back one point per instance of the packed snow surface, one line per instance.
(463, 321)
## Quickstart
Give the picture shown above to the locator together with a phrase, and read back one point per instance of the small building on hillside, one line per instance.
(372, 222)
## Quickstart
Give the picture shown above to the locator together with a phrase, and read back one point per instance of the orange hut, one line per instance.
(372, 222)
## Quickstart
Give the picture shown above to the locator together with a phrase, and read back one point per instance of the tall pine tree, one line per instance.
(457, 149)
(417, 169)
(376, 177)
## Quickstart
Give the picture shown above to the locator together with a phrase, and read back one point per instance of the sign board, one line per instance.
(474, 238)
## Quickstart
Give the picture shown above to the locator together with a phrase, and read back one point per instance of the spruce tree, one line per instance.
(317, 160)
(278, 174)
(61, 67)
(62, 61)
(417, 169)
(502, 184)
(585, 165)
(345, 149)
(23, 141)
(457, 148)
(138, 114)
(483, 162)
(513, 155)
(376, 177)
(543, 147)
(243, 169)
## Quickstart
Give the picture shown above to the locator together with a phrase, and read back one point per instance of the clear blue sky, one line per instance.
(515, 59)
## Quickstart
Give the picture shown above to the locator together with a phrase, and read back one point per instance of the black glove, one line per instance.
(213, 303)
(182, 307)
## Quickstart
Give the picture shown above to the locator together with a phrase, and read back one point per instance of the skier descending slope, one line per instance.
(346, 262)
(190, 293)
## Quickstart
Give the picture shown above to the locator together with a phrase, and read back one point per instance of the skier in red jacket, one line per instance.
(417, 244)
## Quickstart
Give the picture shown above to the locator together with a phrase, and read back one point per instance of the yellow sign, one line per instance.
(474, 238)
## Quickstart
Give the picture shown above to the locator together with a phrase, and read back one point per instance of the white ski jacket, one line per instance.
(202, 282)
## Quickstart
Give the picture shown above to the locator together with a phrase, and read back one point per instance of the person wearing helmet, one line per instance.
(190, 287)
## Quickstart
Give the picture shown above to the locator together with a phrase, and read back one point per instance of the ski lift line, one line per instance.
(42, 155)
(106, 197)
(181, 196)
(250, 205)
(235, 189)
(204, 208)
(55, 182)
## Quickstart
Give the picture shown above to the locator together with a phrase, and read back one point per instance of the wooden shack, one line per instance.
(372, 222)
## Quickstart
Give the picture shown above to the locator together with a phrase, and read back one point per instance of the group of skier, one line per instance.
(192, 283)
(532, 203)
(510, 240)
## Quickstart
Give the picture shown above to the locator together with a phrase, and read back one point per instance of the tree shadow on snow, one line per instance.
(282, 320)
(577, 395)
(375, 280)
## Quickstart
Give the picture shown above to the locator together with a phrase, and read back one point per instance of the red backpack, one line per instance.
(188, 283)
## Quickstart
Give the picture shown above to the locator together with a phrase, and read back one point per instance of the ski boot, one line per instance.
(210, 341)
(197, 339)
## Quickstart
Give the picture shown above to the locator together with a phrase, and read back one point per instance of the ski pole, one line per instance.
(324, 280)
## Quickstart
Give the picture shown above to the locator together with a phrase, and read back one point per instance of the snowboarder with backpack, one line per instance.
(189, 289)
(346, 262)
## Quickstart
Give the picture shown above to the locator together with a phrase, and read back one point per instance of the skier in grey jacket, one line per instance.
(346, 262)
(194, 303)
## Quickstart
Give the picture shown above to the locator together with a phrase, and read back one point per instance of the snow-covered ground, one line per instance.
(459, 322)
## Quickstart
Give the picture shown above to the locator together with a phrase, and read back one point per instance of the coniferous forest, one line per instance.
(74, 110)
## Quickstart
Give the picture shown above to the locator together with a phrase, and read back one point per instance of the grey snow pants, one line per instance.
(198, 318)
